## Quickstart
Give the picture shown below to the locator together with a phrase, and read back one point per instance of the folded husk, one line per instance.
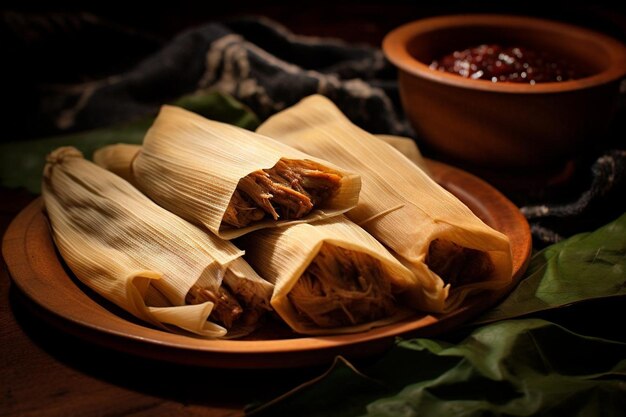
(191, 166)
(281, 255)
(399, 204)
(135, 253)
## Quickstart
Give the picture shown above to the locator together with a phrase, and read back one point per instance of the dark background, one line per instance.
(44, 46)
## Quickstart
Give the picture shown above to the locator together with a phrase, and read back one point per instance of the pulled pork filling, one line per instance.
(289, 190)
(343, 287)
(244, 309)
(227, 309)
(458, 265)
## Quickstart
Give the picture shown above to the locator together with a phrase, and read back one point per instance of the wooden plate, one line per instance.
(39, 272)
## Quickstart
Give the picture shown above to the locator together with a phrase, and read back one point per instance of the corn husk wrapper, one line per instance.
(118, 159)
(281, 255)
(133, 252)
(399, 204)
(191, 166)
(407, 147)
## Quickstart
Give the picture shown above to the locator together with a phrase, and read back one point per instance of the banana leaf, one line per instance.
(510, 368)
(21, 163)
(584, 267)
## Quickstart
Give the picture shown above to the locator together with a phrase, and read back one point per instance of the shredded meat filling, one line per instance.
(242, 211)
(343, 287)
(456, 264)
(288, 190)
(227, 309)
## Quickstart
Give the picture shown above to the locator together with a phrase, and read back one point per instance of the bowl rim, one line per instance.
(394, 48)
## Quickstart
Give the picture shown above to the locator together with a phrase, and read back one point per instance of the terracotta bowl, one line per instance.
(505, 125)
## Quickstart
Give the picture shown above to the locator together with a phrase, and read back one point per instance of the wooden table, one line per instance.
(46, 372)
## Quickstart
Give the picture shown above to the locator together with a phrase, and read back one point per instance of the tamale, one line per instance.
(118, 159)
(330, 276)
(232, 181)
(430, 230)
(145, 259)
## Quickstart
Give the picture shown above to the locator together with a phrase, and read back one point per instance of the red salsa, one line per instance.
(506, 64)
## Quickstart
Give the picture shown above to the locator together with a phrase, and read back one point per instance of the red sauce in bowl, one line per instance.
(506, 64)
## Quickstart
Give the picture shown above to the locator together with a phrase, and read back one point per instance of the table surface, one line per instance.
(46, 372)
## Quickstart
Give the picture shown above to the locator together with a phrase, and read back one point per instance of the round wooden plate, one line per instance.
(39, 272)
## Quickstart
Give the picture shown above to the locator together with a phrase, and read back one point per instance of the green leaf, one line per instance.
(341, 378)
(221, 107)
(584, 267)
(512, 368)
(21, 163)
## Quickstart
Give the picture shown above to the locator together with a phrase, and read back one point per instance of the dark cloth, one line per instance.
(603, 199)
(268, 68)
(256, 61)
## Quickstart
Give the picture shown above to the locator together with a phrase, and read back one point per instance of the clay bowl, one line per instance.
(503, 125)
